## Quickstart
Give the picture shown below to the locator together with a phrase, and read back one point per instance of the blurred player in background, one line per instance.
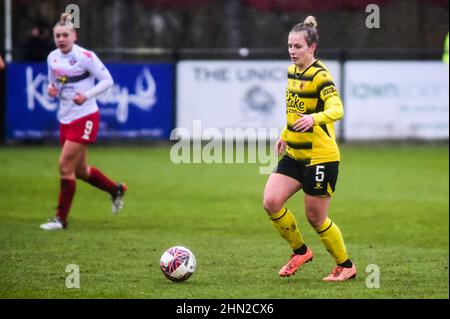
(312, 155)
(72, 72)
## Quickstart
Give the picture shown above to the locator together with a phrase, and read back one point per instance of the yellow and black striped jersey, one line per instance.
(312, 91)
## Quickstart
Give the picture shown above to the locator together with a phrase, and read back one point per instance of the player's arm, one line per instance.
(284, 134)
(280, 146)
(96, 67)
(333, 109)
(52, 90)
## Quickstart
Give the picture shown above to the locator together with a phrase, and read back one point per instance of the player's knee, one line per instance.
(315, 220)
(65, 167)
(82, 174)
(272, 204)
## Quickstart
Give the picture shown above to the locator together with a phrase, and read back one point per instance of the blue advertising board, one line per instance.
(139, 105)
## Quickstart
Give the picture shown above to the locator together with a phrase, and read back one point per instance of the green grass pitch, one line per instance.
(391, 204)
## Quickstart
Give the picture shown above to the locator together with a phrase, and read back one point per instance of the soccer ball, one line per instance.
(177, 263)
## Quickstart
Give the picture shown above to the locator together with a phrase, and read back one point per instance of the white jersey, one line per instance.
(75, 72)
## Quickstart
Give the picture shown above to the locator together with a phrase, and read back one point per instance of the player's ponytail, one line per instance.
(310, 21)
(309, 26)
(65, 20)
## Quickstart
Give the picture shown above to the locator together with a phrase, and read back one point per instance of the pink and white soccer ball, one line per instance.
(178, 263)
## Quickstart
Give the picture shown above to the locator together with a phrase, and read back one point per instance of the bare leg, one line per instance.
(72, 154)
(279, 189)
(316, 209)
(82, 171)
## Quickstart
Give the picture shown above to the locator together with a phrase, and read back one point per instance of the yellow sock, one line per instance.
(284, 222)
(331, 237)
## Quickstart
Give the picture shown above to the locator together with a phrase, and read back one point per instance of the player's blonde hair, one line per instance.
(65, 20)
(309, 26)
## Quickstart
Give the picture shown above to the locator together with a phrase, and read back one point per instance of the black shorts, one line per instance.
(317, 180)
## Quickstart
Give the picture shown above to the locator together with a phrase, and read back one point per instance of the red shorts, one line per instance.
(83, 130)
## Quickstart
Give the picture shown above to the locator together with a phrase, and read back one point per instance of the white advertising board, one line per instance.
(234, 94)
(396, 100)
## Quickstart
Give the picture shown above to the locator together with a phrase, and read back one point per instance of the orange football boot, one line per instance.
(295, 262)
(341, 274)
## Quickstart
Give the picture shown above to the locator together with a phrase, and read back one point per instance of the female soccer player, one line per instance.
(312, 155)
(72, 71)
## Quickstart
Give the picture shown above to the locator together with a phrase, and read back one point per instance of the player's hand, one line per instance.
(304, 123)
(52, 91)
(79, 98)
(280, 147)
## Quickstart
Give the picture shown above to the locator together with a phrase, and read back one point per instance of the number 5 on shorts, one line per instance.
(320, 174)
(87, 130)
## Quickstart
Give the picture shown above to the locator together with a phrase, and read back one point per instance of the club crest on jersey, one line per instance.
(72, 61)
(302, 85)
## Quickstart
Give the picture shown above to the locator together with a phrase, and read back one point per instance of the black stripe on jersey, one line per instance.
(324, 85)
(302, 77)
(300, 146)
(312, 95)
(324, 128)
(298, 75)
(319, 70)
(312, 111)
(291, 128)
(317, 64)
(319, 108)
